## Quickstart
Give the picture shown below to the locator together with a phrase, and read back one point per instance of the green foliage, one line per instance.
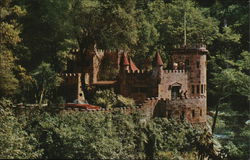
(15, 142)
(95, 137)
(102, 135)
(8, 82)
(26, 81)
(105, 98)
(98, 27)
(46, 81)
(234, 80)
(200, 27)
(108, 71)
(47, 20)
(124, 101)
(234, 140)
(9, 37)
(108, 99)
(48, 31)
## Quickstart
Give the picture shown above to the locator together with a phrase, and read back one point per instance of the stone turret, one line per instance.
(157, 67)
(157, 62)
(124, 63)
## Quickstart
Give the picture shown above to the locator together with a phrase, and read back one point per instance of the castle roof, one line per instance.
(125, 59)
(132, 65)
(157, 60)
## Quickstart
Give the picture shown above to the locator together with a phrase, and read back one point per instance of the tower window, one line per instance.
(193, 113)
(202, 88)
(192, 89)
(198, 89)
(200, 112)
(198, 64)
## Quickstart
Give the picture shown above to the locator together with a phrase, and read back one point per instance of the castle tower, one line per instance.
(157, 66)
(124, 68)
(157, 62)
(193, 60)
(124, 63)
(157, 74)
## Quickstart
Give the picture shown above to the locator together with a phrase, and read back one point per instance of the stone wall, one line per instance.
(170, 78)
(195, 63)
(138, 85)
(192, 110)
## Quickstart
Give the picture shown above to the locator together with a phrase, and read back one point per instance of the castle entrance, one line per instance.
(175, 92)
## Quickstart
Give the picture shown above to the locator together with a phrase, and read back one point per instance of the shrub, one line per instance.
(15, 142)
(108, 99)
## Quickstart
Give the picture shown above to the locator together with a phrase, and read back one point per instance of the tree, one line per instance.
(9, 37)
(108, 24)
(46, 80)
(102, 135)
(199, 26)
(48, 21)
(15, 142)
(161, 27)
(233, 81)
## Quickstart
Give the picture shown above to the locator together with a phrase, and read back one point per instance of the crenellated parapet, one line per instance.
(71, 78)
(175, 71)
(136, 72)
(70, 74)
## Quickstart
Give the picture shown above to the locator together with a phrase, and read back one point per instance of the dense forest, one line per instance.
(36, 37)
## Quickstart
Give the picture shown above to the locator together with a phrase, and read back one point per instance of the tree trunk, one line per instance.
(216, 113)
(41, 97)
(215, 118)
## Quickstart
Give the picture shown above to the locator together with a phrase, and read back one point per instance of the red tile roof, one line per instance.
(125, 59)
(132, 65)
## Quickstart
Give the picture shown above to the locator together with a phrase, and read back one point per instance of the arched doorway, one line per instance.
(175, 90)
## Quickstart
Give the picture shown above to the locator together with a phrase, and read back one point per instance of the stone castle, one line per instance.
(178, 91)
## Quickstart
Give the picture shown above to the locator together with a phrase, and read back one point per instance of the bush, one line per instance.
(108, 99)
(105, 98)
(124, 102)
(102, 135)
(15, 142)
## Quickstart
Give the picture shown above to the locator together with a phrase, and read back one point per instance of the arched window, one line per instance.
(175, 90)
